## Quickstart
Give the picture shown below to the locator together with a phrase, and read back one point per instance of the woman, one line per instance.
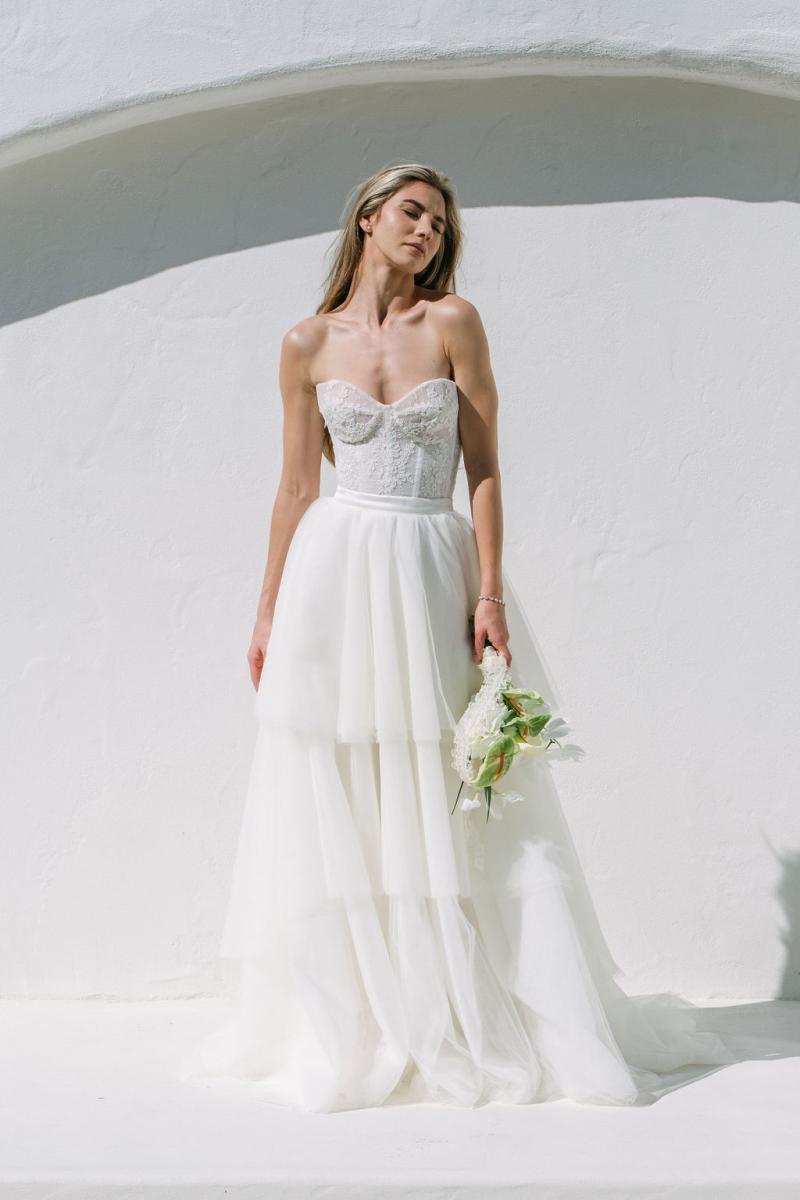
(390, 948)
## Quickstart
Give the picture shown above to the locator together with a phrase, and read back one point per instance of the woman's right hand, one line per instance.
(258, 648)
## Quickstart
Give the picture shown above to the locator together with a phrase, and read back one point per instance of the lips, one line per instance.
(414, 246)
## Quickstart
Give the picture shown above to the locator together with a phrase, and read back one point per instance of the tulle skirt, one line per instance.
(390, 945)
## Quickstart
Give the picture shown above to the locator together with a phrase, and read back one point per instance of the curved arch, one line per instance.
(174, 73)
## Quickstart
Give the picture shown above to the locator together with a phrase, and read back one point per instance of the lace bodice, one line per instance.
(408, 448)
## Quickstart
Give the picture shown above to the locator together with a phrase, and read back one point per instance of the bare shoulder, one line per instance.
(455, 315)
(299, 345)
(460, 328)
(305, 338)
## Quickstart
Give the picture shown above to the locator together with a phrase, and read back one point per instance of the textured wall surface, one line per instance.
(633, 246)
(98, 66)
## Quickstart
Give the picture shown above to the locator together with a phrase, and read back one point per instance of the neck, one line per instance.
(381, 292)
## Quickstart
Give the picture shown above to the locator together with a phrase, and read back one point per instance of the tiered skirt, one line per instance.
(392, 946)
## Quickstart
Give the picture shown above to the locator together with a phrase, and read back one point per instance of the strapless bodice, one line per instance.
(408, 448)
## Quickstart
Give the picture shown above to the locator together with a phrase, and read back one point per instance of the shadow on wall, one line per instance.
(119, 208)
(787, 894)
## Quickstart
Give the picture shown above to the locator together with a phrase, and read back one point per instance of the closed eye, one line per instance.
(412, 213)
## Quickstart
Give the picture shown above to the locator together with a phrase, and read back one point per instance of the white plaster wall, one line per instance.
(632, 245)
(94, 66)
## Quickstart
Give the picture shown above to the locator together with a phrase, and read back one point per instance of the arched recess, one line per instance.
(104, 74)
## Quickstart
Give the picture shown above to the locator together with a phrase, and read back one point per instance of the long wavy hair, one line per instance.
(366, 198)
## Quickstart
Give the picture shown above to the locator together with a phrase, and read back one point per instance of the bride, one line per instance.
(391, 946)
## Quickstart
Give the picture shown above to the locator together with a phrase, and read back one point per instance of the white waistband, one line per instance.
(414, 504)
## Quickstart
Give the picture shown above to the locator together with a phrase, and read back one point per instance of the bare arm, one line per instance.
(468, 349)
(299, 481)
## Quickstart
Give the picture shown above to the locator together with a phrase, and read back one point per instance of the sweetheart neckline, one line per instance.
(394, 403)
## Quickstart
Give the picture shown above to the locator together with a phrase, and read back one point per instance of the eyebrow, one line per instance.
(411, 200)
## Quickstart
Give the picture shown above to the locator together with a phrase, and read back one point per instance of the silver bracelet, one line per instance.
(498, 599)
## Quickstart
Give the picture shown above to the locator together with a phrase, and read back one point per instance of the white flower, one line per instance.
(555, 728)
(480, 725)
(534, 747)
(567, 750)
(483, 715)
(508, 797)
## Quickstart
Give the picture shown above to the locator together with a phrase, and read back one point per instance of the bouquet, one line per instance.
(500, 722)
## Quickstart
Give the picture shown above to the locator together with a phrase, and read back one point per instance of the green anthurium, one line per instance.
(525, 728)
(496, 762)
(522, 700)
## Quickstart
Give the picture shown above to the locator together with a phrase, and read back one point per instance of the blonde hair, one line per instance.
(366, 198)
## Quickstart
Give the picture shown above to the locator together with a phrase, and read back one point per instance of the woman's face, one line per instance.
(413, 217)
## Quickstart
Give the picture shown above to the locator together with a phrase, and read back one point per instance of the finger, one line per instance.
(255, 661)
(502, 648)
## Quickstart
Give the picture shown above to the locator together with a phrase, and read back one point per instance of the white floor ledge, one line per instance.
(91, 1107)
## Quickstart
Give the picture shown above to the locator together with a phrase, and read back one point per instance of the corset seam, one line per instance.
(420, 459)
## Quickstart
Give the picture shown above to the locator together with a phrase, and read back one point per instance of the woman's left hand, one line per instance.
(490, 625)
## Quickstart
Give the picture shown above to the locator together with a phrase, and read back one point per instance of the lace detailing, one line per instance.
(409, 448)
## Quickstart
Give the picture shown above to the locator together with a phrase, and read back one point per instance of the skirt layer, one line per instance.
(392, 946)
(370, 639)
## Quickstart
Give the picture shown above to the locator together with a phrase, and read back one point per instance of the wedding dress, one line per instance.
(388, 948)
